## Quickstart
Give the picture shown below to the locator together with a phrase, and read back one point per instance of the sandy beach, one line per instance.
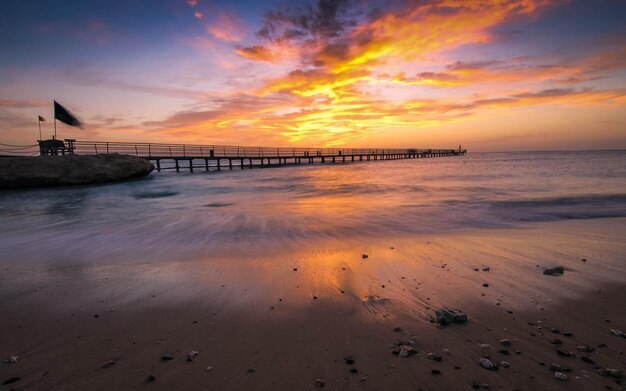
(323, 316)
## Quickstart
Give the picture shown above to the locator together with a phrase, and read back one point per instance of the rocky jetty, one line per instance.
(22, 172)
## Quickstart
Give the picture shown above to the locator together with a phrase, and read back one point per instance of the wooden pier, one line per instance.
(185, 157)
(219, 157)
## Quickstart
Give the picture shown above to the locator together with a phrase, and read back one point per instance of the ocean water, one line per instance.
(181, 215)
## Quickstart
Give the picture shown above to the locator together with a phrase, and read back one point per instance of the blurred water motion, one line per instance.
(180, 216)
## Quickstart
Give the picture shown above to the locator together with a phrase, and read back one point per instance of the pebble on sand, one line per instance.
(319, 382)
(587, 360)
(12, 359)
(446, 316)
(585, 348)
(193, 354)
(404, 350)
(564, 353)
(618, 333)
(364, 256)
(108, 364)
(434, 357)
(554, 271)
(167, 357)
(560, 375)
(487, 364)
(616, 373)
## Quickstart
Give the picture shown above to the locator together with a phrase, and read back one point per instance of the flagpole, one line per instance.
(54, 114)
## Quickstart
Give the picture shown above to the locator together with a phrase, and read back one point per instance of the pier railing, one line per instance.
(210, 151)
(182, 151)
(19, 150)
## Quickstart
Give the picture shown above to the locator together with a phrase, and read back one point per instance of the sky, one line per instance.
(490, 75)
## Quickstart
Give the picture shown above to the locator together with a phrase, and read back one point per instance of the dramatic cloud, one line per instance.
(331, 72)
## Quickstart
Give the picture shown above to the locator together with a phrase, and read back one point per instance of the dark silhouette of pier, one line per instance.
(217, 157)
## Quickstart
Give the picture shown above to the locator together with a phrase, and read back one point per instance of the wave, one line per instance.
(159, 194)
(561, 208)
(564, 201)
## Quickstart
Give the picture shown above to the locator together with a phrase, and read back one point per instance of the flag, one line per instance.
(42, 119)
(63, 115)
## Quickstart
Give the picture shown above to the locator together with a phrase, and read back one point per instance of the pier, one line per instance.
(222, 157)
(189, 157)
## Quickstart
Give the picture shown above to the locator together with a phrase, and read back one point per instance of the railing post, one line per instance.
(184, 150)
(107, 148)
(170, 148)
(136, 152)
(149, 150)
(96, 147)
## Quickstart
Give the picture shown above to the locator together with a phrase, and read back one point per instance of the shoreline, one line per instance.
(257, 312)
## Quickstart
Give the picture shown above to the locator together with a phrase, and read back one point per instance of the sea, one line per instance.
(180, 216)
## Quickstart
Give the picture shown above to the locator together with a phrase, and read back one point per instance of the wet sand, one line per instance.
(261, 325)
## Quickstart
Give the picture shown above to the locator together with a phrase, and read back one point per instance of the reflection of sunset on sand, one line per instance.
(257, 311)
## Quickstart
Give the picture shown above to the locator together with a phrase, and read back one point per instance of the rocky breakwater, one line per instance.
(21, 172)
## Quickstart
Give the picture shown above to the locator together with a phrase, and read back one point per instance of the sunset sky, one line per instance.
(491, 75)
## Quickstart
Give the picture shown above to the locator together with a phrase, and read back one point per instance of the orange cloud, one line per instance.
(344, 86)
(273, 53)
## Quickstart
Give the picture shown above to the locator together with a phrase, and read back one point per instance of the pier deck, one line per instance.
(218, 157)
